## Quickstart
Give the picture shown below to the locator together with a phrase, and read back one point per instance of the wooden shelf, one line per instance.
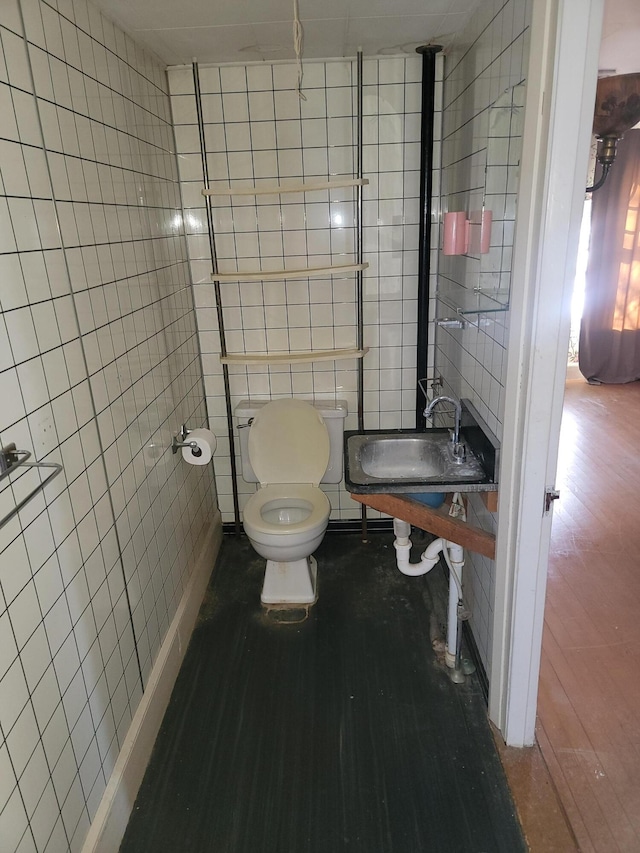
(294, 357)
(437, 521)
(275, 275)
(281, 189)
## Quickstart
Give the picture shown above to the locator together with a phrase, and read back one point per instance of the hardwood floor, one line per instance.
(589, 701)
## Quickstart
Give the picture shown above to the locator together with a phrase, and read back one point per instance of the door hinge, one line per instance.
(550, 495)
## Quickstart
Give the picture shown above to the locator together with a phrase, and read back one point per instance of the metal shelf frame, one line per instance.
(212, 189)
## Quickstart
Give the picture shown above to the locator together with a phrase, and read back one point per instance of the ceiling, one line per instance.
(253, 30)
(250, 30)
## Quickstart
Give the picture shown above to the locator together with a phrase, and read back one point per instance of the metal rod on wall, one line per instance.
(359, 248)
(359, 260)
(428, 52)
(216, 287)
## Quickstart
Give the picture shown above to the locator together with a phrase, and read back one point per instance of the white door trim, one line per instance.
(565, 40)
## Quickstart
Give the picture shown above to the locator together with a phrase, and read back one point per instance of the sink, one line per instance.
(414, 461)
(401, 456)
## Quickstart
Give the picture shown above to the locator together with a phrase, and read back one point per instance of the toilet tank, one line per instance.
(333, 413)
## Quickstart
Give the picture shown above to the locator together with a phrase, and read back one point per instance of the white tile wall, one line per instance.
(98, 365)
(489, 59)
(258, 130)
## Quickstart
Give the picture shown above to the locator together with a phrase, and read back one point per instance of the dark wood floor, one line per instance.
(339, 733)
(589, 703)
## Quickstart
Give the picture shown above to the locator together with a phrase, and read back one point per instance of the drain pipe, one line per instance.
(402, 544)
(454, 557)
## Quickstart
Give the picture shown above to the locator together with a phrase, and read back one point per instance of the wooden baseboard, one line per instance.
(109, 825)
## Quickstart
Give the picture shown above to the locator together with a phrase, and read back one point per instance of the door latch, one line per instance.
(549, 496)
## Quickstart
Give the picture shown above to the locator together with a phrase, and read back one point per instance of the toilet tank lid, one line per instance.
(327, 408)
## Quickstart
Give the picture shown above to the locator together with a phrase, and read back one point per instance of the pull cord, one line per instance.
(298, 45)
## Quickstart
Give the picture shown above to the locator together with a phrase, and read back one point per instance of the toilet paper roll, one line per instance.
(206, 442)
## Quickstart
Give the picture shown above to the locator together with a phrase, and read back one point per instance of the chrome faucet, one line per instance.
(456, 447)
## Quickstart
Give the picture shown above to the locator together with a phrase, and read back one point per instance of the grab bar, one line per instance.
(10, 459)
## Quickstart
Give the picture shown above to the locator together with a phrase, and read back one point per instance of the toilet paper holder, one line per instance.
(180, 440)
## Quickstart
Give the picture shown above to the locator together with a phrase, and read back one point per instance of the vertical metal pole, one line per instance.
(359, 274)
(216, 288)
(359, 248)
(428, 52)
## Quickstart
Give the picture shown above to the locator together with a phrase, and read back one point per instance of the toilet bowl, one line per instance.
(286, 519)
(286, 522)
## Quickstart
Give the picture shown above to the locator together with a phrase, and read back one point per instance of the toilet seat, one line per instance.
(289, 443)
(289, 494)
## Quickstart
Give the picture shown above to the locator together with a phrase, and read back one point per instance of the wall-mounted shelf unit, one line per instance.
(476, 301)
(260, 193)
(281, 189)
(276, 275)
(328, 271)
(295, 357)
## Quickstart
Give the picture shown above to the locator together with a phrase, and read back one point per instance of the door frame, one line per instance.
(561, 84)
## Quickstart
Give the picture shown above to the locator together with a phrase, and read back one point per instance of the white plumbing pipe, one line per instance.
(402, 544)
(454, 557)
(402, 530)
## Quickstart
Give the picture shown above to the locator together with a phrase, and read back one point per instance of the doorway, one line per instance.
(589, 707)
(589, 701)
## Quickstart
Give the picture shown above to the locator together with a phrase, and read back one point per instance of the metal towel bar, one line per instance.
(10, 460)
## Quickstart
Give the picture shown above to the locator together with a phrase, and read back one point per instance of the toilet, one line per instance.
(289, 447)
